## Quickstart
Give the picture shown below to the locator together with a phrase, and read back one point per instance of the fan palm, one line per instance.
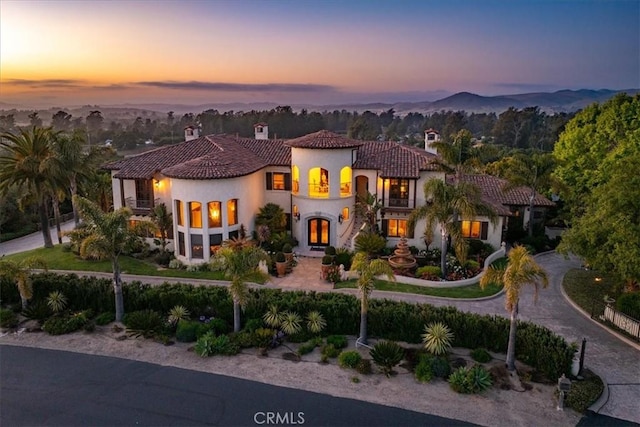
(110, 236)
(163, 220)
(368, 270)
(446, 204)
(27, 159)
(240, 261)
(521, 270)
(20, 272)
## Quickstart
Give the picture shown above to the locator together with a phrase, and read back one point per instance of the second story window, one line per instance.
(318, 182)
(278, 181)
(399, 192)
(232, 211)
(179, 212)
(215, 214)
(195, 214)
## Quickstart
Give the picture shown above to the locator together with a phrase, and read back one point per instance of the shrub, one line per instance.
(144, 323)
(329, 350)
(440, 367)
(330, 250)
(280, 257)
(291, 323)
(584, 393)
(273, 317)
(263, 337)
(176, 264)
(629, 304)
(8, 318)
(105, 318)
(177, 313)
(338, 341)
(429, 272)
(472, 265)
(364, 367)
(286, 248)
(481, 355)
(437, 338)
(470, 380)
(387, 354)
(242, 339)
(306, 348)
(423, 371)
(56, 301)
(370, 243)
(344, 257)
(315, 322)
(327, 260)
(210, 345)
(349, 359)
(187, 330)
(39, 311)
(163, 258)
(252, 324)
(59, 325)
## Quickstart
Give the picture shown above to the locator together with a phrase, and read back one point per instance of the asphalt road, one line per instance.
(55, 388)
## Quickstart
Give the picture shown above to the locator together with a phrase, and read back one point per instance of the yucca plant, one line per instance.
(56, 301)
(387, 354)
(273, 317)
(437, 338)
(291, 323)
(315, 322)
(177, 313)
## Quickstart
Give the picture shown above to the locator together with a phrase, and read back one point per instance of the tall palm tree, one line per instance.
(27, 159)
(368, 270)
(240, 259)
(20, 272)
(163, 220)
(445, 205)
(533, 172)
(521, 270)
(110, 236)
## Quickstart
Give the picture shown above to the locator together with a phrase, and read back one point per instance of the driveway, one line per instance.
(33, 240)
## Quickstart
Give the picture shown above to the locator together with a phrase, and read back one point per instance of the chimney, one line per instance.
(431, 136)
(261, 131)
(191, 132)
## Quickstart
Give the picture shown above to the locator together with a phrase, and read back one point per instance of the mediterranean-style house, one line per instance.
(214, 184)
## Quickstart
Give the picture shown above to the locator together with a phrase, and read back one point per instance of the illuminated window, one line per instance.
(318, 182)
(215, 214)
(345, 181)
(196, 246)
(345, 214)
(232, 211)
(397, 228)
(195, 214)
(399, 192)
(278, 181)
(474, 229)
(179, 212)
(295, 172)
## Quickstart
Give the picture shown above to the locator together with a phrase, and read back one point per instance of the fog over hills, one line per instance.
(549, 102)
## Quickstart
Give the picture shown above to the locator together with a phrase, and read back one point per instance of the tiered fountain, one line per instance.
(402, 257)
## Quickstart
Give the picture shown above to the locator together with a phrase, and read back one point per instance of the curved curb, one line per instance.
(400, 294)
(601, 401)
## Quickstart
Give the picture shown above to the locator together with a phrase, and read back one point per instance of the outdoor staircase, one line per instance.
(357, 224)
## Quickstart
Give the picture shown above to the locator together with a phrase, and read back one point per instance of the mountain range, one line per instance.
(549, 102)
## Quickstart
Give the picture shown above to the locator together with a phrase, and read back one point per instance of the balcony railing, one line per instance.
(345, 189)
(295, 187)
(401, 203)
(318, 190)
(141, 206)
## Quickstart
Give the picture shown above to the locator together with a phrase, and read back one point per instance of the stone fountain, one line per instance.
(402, 257)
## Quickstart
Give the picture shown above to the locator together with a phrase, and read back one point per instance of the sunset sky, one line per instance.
(55, 53)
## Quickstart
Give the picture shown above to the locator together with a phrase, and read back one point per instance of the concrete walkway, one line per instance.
(617, 362)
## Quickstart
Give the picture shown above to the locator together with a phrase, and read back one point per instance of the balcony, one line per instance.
(320, 191)
(345, 189)
(140, 206)
(401, 203)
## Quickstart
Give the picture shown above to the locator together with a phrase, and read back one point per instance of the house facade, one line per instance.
(215, 184)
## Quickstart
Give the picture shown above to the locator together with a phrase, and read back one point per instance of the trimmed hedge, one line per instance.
(390, 320)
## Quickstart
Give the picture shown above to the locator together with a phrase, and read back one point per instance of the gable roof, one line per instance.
(394, 160)
(493, 193)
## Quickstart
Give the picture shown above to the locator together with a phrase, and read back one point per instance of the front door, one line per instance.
(318, 232)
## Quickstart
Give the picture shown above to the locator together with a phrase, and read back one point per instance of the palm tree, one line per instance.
(163, 220)
(445, 204)
(273, 216)
(521, 270)
(27, 159)
(110, 236)
(20, 272)
(533, 172)
(368, 270)
(240, 259)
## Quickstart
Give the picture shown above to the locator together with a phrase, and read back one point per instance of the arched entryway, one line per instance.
(318, 232)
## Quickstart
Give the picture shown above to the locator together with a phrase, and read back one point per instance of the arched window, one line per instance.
(295, 177)
(345, 181)
(318, 183)
(195, 214)
(215, 214)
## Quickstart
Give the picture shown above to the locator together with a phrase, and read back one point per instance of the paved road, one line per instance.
(47, 387)
(33, 240)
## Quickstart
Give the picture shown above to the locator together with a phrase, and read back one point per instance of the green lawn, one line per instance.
(471, 291)
(57, 259)
(583, 289)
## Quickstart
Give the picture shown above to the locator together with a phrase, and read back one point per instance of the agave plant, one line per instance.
(437, 338)
(273, 317)
(315, 322)
(291, 323)
(177, 313)
(387, 354)
(56, 301)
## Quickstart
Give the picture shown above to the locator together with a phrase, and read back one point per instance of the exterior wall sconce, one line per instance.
(340, 218)
(156, 183)
(296, 216)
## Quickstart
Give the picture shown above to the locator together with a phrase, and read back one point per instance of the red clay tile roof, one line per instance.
(272, 151)
(492, 192)
(323, 140)
(394, 160)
